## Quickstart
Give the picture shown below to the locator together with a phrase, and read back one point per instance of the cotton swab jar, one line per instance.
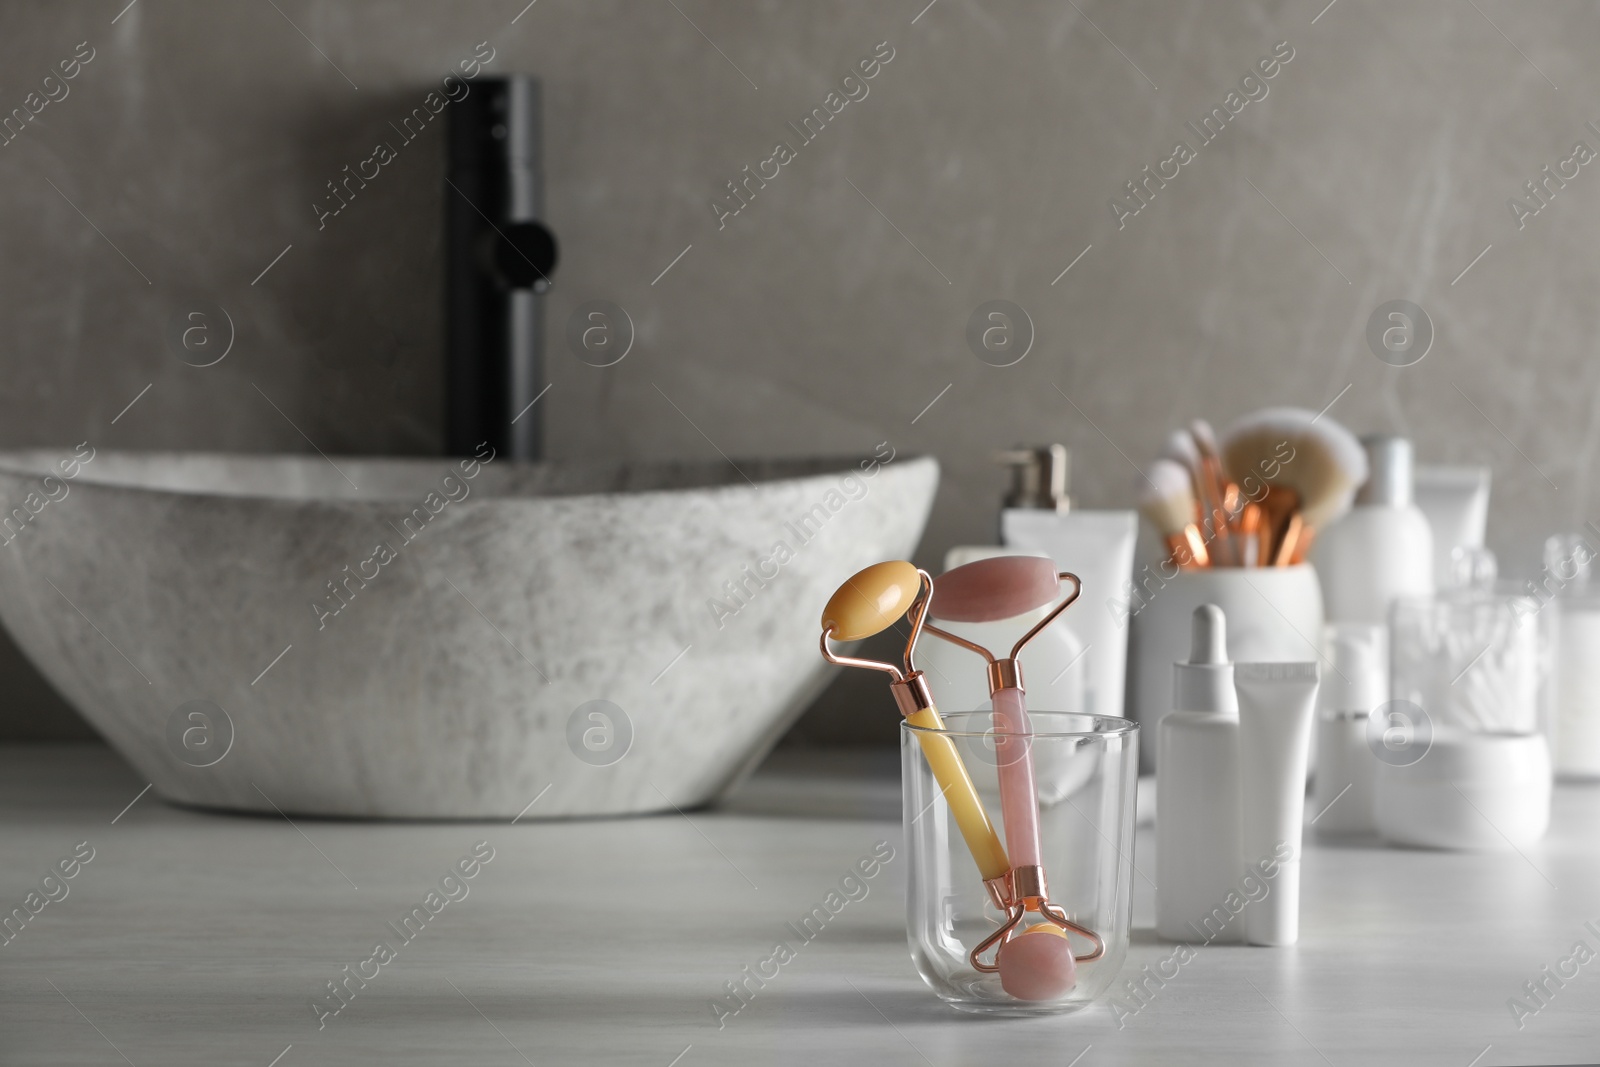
(1470, 659)
(1467, 666)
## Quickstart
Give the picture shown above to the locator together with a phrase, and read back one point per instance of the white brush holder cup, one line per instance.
(1274, 616)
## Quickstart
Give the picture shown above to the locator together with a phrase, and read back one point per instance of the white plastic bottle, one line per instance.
(1383, 547)
(1574, 716)
(1097, 546)
(1197, 793)
(1351, 690)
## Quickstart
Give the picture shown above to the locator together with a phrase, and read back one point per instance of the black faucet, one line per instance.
(499, 258)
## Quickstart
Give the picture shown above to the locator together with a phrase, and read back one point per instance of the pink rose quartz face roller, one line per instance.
(1038, 964)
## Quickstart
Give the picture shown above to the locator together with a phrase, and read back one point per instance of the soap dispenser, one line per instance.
(1037, 516)
(1382, 549)
(1197, 793)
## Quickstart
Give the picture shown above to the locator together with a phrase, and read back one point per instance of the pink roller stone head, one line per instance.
(988, 590)
(1038, 964)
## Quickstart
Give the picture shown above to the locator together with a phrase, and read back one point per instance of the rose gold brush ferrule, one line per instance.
(1213, 503)
(1289, 544)
(1249, 529)
(1187, 550)
(1232, 500)
(1280, 508)
(1302, 548)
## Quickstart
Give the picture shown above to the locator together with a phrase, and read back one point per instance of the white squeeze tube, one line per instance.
(1275, 707)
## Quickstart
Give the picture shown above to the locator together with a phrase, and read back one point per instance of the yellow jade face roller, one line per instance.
(868, 603)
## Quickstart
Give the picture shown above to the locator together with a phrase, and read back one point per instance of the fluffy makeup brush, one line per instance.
(1310, 465)
(1181, 449)
(1167, 500)
(1205, 438)
(1280, 529)
(1213, 487)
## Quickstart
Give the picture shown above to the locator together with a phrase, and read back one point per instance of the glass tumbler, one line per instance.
(1086, 769)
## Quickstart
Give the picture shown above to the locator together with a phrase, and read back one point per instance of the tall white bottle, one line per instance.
(1351, 691)
(1197, 794)
(1382, 549)
(1097, 546)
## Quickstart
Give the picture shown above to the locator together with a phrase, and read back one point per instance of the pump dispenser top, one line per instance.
(1039, 477)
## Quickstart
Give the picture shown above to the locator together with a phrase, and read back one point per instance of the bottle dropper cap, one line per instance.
(1205, 683)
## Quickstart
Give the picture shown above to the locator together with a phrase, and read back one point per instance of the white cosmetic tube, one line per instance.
(1456, 502)
(1275, 708)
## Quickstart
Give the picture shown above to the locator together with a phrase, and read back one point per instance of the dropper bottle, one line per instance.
(1197, 793)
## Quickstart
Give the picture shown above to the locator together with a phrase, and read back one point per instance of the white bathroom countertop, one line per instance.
(194, 938)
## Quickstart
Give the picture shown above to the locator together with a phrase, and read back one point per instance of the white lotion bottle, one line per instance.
(1197, 791)
(1382, 549)
(1097, 546)
(1574, 714)
(1351, 690)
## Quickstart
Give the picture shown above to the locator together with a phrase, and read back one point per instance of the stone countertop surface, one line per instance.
(197, 938)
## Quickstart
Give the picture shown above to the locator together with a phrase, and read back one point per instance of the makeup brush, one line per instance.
(1291, 450)
(1279, 527)
(1246, 522)
(1213, 486)
(1181, 449)
(1167, 500)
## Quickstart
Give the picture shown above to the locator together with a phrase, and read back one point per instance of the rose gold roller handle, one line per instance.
(986, 591)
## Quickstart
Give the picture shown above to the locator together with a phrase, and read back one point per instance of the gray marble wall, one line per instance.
(194, 141)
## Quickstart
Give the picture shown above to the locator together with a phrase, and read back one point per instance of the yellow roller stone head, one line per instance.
(871, 600)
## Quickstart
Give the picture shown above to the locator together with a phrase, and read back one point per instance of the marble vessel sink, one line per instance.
(432, 638)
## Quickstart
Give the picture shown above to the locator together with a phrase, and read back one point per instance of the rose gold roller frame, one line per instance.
(1021, 889)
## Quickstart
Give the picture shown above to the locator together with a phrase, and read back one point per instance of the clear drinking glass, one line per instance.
(1086, 770)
